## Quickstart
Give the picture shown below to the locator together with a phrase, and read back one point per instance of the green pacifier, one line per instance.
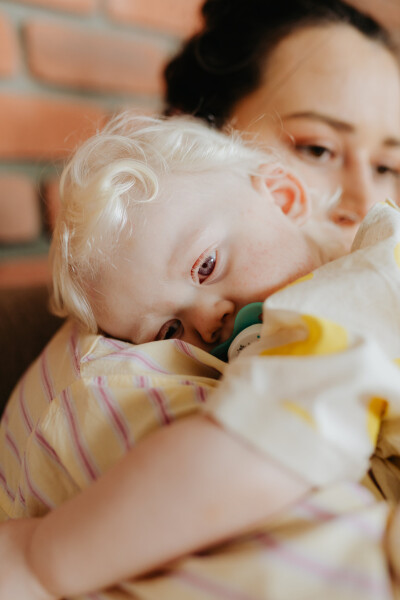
(248, 318)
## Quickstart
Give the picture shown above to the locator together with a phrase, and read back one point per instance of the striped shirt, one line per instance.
(84, 402)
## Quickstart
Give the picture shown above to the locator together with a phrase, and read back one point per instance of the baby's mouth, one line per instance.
(248, 315)
(225, 332)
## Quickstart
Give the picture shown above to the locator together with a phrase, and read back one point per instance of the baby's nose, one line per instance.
(210, 321)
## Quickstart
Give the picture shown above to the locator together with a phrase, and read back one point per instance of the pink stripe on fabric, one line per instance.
(184, 348)
(125, 350)
(114, 412)
(353, 519)
(201, 393)
(317, 513)
(337, 576)
(73, 344)
(4, 484)
(157, 397)
(44, 443)
(78, 441)
(141, 381)
(49, 450)
(13, 446)
(46, 378)
(21, 496)
(114, 343)
(110, 343)
(145, 382)
(141, 358)
(39, 495)
(217, 590)
(21, 400)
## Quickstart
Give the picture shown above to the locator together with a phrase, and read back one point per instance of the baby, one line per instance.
(163, 212)
(167, 230)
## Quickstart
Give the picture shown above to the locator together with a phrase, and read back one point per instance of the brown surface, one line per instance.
(25, 327)
(24, 272)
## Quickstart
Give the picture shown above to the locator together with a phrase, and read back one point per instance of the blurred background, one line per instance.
(65, 66)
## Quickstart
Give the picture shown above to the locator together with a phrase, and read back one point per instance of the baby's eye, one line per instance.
(314, 152)
(171, 329)
(204, 266)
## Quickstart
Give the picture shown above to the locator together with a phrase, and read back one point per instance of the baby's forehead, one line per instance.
(177, 190)
(184, 203)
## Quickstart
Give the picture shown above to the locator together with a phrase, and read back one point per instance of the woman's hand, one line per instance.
(17, 579)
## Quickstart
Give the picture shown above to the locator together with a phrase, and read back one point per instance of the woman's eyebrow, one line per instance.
(316, 116)
(391, 142)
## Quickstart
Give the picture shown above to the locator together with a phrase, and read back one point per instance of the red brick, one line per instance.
(51, 201)
(20, 219)
(8, 48)
(74, 6)
(178, 16)
(28, 271)
(69, 56)
(42, 129)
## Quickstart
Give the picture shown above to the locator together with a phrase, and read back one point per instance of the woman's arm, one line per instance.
(185, 487)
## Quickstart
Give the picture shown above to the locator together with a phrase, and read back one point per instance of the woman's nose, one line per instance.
(357, 194)
(209, 319)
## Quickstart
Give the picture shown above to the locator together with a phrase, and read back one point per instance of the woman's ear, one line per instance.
(285, 189)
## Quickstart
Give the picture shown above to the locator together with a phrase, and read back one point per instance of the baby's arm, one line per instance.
(183, 488)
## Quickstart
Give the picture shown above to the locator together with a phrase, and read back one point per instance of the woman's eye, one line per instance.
(171, 329)
(314, 152)
(385, 170)
(204, 266)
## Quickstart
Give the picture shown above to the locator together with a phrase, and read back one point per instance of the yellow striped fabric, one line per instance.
(83, 403)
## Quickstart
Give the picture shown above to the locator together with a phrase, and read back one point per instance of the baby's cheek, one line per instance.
(254, 272)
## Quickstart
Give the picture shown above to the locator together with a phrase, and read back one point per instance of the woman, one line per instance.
(316, 79)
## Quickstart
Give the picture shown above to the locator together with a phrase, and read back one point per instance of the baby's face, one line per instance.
(211, 244)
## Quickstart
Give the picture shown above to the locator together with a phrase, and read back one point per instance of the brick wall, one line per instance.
(65, 66)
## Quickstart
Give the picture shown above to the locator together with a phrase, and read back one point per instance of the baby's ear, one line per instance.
(285, 189)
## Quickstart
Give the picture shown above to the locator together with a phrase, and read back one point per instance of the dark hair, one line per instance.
(225, 61)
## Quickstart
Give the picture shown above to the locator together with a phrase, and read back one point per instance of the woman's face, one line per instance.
(330, 102)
